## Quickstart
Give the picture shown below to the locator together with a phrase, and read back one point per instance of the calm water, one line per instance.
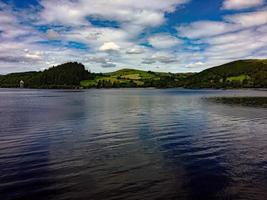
(131, 144)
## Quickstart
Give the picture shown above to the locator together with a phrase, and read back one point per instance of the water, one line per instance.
(131, 144)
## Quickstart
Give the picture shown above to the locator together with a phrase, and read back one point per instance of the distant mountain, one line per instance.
(237, 74)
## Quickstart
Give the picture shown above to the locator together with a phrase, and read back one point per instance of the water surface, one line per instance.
(131, 144)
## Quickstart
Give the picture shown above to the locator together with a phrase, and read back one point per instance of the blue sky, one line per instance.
(106, 35)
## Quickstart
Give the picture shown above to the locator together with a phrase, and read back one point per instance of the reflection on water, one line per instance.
(244, 101)
(131, 144)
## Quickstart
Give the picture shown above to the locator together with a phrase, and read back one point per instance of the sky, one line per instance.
(107, 35)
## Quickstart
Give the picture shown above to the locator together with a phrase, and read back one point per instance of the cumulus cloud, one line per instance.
(163, 41)
(109, 46)
(241, 4)
(148, 13)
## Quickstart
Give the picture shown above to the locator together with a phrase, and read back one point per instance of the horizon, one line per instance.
(177, 36)
(130, 68)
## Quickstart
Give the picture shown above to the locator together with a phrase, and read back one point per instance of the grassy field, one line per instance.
(239, 78)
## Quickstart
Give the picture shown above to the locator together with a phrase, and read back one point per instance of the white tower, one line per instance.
(21, 84)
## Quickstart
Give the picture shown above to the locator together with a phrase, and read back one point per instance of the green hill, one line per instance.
(67, 75)
(237, 74)
(135, 78)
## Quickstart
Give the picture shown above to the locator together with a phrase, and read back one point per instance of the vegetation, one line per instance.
(238, 74)
(135, 78)
(67, 75)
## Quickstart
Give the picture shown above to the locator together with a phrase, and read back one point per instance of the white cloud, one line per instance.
(163, 41)
(135, 50)
(34, 55)
(144, 13)
(231, 23)
(96, 37)
(59, 12)
(109, 46)
(249, 19)
(241, 4)
(201, 29)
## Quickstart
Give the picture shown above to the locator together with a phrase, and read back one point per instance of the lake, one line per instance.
(131, 144)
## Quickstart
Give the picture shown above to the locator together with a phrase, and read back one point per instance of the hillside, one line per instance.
(135, 78)
(237, 74)
(67, 75)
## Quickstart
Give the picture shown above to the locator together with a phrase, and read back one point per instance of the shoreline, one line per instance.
(75, 89)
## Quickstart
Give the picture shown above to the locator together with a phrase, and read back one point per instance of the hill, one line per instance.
(237, 74)
(67, 75)
(135, 78)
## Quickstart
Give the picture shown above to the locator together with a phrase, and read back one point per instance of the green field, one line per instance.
(239, 78)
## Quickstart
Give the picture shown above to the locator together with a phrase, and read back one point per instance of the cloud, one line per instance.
(46, 31)
(249, 19)
(241, 4)
(98, 59)
(96, 37)
(104, 61)
(126, 33)
(148, 61)
(13, 59)
(162, 57)
(231, 23)
(135, 50)
(201, 29)
(143, 13)
(109, 46)
(28, 57)
(52, 35)
(164, 41)
(108, 65)
(10, 27)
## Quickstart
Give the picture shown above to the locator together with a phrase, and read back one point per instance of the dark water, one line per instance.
(131, 144)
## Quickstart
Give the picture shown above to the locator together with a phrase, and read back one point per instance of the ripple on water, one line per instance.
(131, 144)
